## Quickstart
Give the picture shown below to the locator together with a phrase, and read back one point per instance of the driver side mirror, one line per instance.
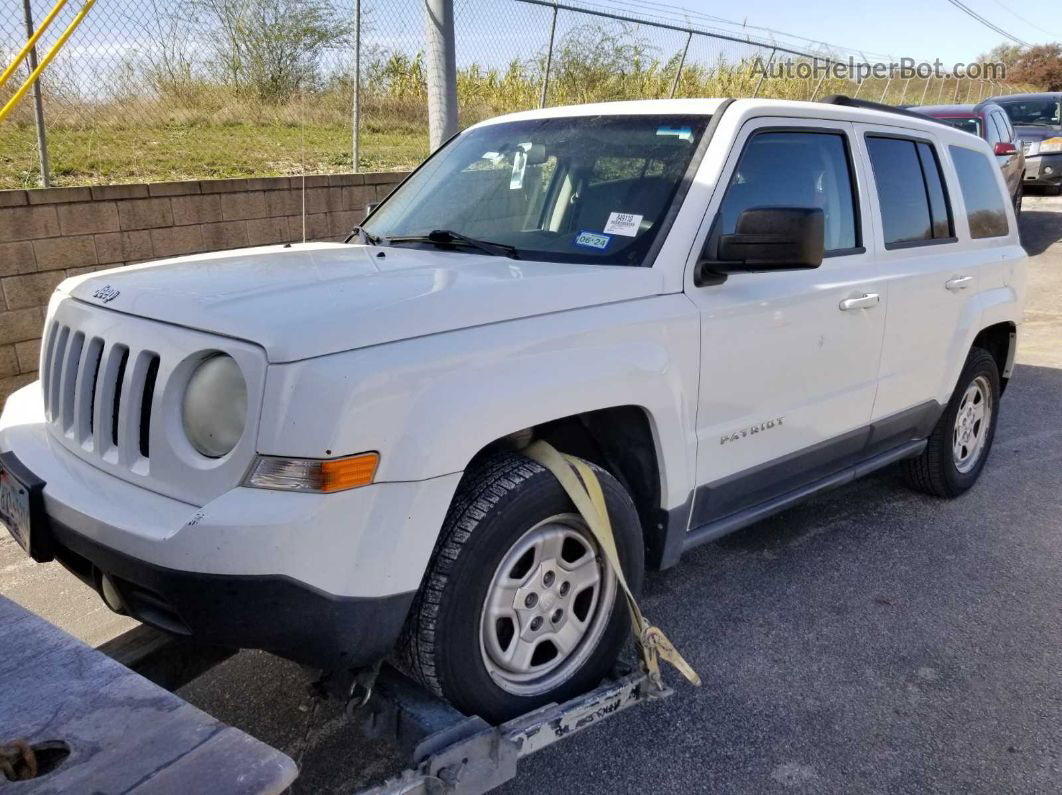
(767, 239)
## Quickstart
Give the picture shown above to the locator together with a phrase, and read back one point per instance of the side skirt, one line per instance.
(717, 529)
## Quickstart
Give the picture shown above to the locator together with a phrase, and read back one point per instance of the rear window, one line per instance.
(970, 124)
(985, 206)
(911, 193)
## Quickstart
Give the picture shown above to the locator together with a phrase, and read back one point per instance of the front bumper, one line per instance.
(1043, 170)
(274, 613)
(325, 580)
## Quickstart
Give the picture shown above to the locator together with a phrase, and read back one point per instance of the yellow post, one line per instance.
(33, 40)
(11, 103)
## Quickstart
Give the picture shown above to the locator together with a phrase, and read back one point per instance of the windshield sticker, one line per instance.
(682, 133)
(625, 224)
(516, 181)
(593, 240)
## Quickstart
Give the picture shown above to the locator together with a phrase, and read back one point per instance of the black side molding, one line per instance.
(743, 498)
(718, 529)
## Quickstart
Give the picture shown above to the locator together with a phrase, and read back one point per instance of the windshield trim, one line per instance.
(677, 201)
(684, 185)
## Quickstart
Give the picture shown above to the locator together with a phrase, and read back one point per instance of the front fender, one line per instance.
(428, 405)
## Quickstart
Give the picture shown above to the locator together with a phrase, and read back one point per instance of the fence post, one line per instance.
(763, 74)
(818, 85)
(925, 91)
(903, 94)
(38, 103)
(885, 90)
(442, 72)
(355, 153)
(681, 63)
(549, 59)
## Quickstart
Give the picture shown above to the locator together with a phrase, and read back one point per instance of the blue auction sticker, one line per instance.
(593, 240)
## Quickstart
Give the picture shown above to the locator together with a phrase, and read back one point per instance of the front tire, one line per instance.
(519, 608)
(958, 448)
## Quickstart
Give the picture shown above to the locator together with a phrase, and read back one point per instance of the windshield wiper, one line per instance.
(447, 237)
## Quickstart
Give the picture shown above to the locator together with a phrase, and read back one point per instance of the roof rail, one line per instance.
(850, 102)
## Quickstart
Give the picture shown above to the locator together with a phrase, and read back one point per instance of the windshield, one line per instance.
(1032, 112)
(592, 189)
(970, 124)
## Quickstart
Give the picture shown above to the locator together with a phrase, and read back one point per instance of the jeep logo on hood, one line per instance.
(106, 294)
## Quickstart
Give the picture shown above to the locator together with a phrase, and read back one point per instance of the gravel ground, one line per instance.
(870, 640)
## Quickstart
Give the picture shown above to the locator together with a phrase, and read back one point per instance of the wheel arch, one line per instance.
(622, 440)
(1000, 340)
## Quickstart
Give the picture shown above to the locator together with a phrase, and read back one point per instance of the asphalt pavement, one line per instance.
(871, 640)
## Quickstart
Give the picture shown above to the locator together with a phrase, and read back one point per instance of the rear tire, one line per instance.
(1019, 195)
(514, 550)
(958, 448)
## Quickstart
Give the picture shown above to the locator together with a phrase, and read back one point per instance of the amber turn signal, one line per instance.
(314, 475)
(348, 473)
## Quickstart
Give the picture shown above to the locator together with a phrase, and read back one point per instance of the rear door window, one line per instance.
(1005, 131)
(992, 132)
(911, 193)
(985, 204)
(939, 207)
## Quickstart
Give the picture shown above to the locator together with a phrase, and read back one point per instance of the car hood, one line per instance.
(314, 299)
(1036, 133)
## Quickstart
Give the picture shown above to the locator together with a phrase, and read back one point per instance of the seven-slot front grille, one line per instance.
(99, 393)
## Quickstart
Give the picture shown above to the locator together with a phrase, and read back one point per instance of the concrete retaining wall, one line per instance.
(48, 235)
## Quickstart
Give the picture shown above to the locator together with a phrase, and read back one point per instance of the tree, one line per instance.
(1040, 66)
(1004, 53)
(272, 48)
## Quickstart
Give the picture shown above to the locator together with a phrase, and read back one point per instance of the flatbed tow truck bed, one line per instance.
(105, 720)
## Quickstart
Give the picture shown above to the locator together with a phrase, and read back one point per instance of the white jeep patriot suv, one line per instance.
(725, 306)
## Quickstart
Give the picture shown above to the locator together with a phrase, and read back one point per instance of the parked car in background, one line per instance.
(1037, 118)
(988, 120)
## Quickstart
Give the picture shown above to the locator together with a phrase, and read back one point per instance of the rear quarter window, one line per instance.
(985, 204)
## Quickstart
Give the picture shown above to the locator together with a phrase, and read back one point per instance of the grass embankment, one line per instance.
(204, 131)
(150, 153)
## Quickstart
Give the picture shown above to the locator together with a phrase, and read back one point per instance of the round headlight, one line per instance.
(215, 406)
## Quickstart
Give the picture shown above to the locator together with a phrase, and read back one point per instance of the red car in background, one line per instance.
(989, 121)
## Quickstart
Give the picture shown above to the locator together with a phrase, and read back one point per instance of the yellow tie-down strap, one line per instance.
(582, 486)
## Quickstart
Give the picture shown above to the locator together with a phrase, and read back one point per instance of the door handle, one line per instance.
(865, 301)
(958, 283)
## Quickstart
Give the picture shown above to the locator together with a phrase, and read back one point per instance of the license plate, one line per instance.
(15, 507)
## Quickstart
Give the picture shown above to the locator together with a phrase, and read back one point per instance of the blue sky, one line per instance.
(493, 32)
(923, 29)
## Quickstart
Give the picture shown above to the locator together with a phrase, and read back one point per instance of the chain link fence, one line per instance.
(157, 90)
